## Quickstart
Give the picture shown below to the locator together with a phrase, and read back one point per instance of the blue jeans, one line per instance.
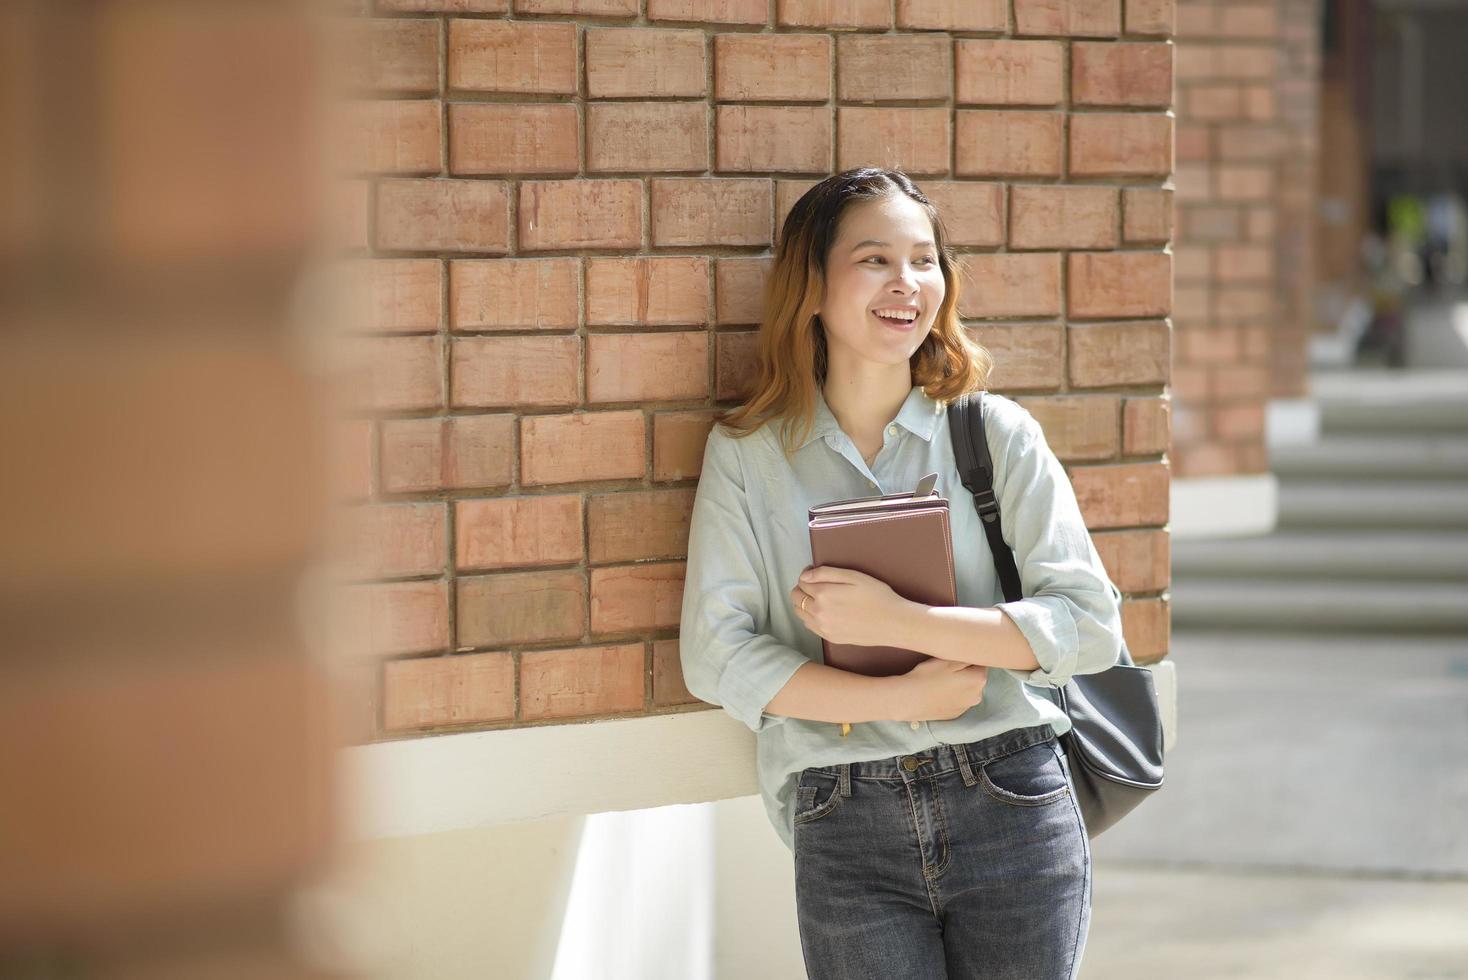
(962, 861)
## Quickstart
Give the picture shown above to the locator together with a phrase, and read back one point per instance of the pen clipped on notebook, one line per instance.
(902, 539)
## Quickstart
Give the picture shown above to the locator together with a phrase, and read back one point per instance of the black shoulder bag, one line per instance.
(1114, 746)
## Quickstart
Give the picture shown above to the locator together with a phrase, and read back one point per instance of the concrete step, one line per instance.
(1340, 751)
(1327, 554)
(1316, 605)
(1375, 456)
(1358, 506)
(1391, 400)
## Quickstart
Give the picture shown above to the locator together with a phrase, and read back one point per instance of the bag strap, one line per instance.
(976, 470)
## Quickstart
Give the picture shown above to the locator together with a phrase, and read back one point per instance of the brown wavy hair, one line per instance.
(791, 351)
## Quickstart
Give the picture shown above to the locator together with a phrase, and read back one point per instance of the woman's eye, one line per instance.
(925, 258)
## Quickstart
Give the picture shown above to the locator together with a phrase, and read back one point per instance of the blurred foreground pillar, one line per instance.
(166, 730)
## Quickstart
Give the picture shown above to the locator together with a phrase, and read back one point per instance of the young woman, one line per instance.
(938, 836)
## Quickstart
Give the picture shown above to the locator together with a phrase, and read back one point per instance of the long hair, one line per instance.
(791, 351)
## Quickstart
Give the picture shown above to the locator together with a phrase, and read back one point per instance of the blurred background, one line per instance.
(238, 736)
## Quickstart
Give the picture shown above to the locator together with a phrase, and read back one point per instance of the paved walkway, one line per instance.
(1215, 923)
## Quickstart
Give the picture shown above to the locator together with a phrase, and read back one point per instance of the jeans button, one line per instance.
(909, 763)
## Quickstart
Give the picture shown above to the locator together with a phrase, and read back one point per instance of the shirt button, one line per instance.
(892, 430)
(916, 725)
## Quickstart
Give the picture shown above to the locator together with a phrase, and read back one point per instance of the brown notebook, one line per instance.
(902, 539)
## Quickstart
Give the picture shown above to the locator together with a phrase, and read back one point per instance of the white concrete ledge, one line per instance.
(436, 783)
(1291, 422)
(1221, 507)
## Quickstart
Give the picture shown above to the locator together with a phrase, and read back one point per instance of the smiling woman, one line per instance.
(948, 780)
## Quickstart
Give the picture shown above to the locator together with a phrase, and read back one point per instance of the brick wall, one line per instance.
(560, 215)
(1245, 109)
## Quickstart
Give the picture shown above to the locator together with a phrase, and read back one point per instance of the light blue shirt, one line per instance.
(740, 639)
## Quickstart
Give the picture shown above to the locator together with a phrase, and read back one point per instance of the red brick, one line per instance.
(390, 55)
(443, 215)
(1121, 74)
(646, 137)
(1149, 16)
(514, 294)
(1012, 284)
(581, 682)
(1136, 561)
(1004, 143)
(1248, 20)
(834, 13)
(1112, 284)
(778, 67)
(578, 8)
(1078, 18)
(1078, 427)
(678, 443)
(636, 525)
(634, 598)
(972, 211)
(739, 289)
(790, 139)
(711, 211)
(398, 295)
(389, 136)
(512, 56)
(995, 71)
(668, 687)
(1026, 355)
(388, 540)
(1239, 421)
(584, 446)
(914, 140)
(521, 607)
(710, 11)
(893, 67)
(1146, 214)
(448, 6)
(645, 291)
(647, 367)
(509, 532)
(392, 373)
(1245, 182)
(389, 619)
(953, 15)
(1213, 102)
(1122, 495)
(509, 372)
(1062, 217)
(1145, 425)
(1236, 263)
(580, 214)
(431, 692)
(1246, 62)
(1108, 354)
(734, 363)
(1111, 144)
(518, 140)
(1144, 624)
(448, 453)
(642, 62)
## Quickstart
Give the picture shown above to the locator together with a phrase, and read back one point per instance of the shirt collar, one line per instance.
(919, 414)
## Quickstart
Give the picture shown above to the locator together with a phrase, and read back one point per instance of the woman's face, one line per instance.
(862, 278)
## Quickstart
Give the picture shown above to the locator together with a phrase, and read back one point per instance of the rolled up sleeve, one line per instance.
(727, 660)
(1071, 611)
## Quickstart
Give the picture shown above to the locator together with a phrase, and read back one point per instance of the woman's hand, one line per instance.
(847, 606)
(939, 690)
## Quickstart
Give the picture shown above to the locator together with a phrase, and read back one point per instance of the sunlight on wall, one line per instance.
(642, 897)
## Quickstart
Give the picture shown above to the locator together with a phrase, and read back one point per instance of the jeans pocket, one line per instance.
(816, 794)
(1032, 776)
